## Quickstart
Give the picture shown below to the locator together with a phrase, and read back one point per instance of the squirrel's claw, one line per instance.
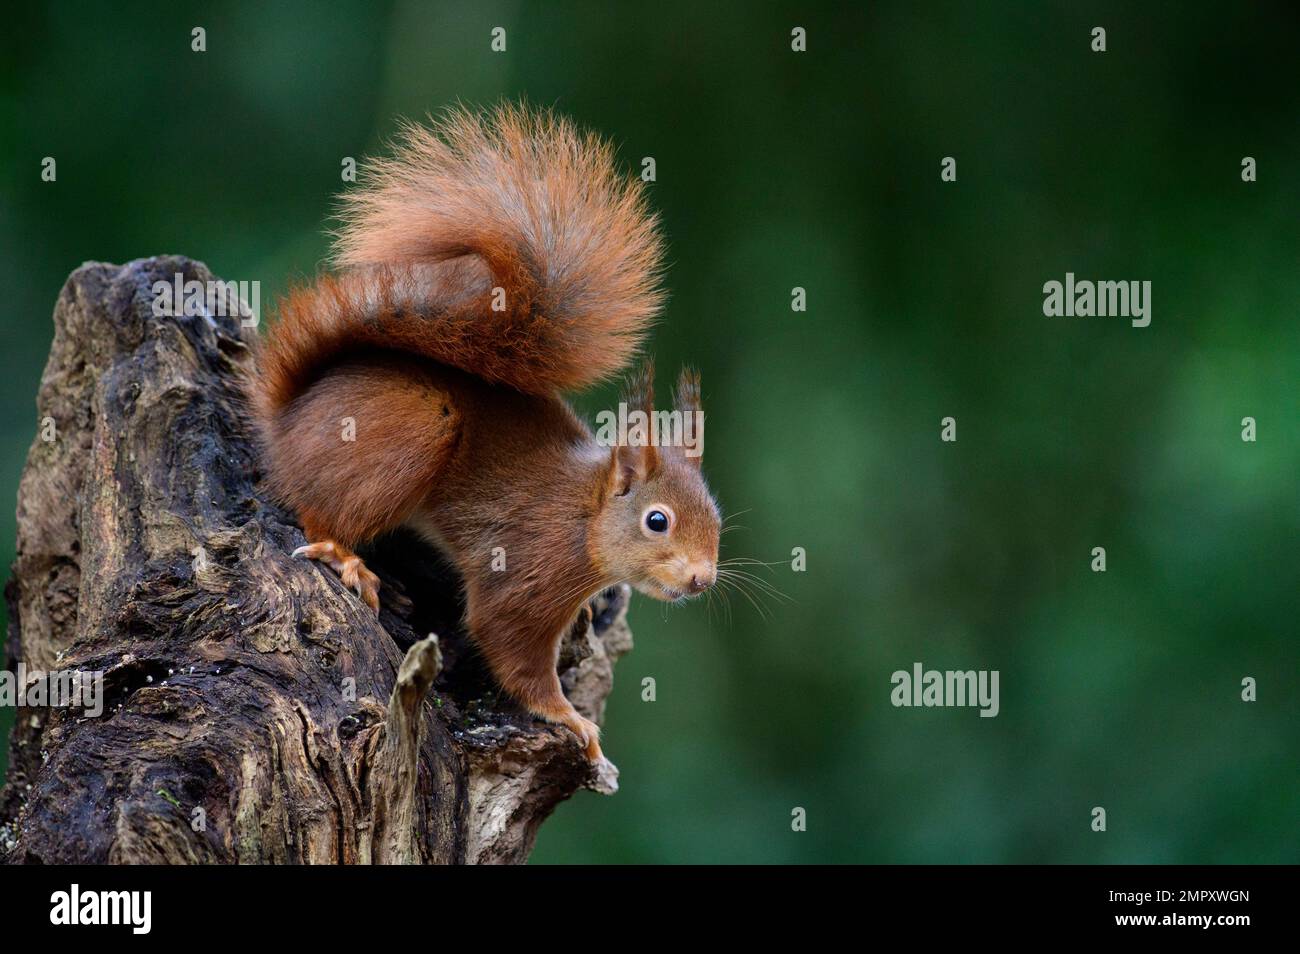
(356, 577)
(588, 734)
(350, 568)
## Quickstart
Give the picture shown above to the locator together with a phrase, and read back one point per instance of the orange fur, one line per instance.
(393, 393)
(514, 200)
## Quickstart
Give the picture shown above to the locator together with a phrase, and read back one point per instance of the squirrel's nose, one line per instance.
(702, 579)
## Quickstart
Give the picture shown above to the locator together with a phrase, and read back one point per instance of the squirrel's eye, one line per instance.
(656, 521)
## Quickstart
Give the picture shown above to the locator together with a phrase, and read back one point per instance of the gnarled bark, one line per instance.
(255, 709)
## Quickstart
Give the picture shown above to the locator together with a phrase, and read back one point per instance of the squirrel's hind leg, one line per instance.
(350, 568)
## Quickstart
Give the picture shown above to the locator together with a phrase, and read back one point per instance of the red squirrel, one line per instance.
(494, 262)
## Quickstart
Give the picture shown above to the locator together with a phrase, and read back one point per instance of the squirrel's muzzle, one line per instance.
(703, 576)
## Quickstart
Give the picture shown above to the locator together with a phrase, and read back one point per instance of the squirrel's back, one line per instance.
(505, 245)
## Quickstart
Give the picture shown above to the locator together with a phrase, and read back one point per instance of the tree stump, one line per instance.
(255, 709)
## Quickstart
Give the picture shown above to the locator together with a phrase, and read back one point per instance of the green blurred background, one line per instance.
(821, 169)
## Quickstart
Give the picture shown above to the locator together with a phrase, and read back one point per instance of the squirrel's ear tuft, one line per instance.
(635, 458)
(686, 399)
(639, 389)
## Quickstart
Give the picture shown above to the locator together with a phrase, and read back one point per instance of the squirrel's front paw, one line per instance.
(351, 570)
(588, 734)
(604, 773)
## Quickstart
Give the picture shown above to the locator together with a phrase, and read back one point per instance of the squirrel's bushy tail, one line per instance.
(504, 244)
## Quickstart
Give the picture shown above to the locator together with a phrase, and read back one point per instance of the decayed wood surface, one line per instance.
(231, 732)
